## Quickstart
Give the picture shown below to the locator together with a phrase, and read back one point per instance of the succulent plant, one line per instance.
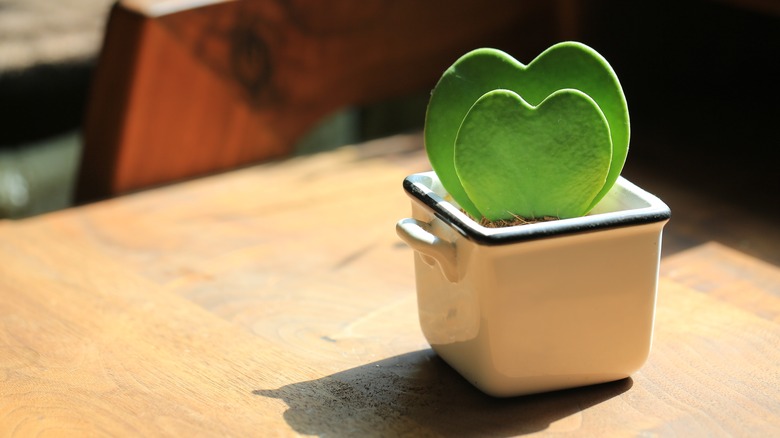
(545, 139)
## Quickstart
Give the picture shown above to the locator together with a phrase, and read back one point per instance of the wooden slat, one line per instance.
(211, 88)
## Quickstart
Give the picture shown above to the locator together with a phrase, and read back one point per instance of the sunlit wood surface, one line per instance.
(277, 300)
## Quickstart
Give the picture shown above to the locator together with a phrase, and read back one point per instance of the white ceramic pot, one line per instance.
(537, 307)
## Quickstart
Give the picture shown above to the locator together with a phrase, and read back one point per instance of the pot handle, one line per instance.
(431, 247)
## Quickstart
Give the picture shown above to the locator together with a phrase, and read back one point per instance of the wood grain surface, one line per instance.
(277, 300)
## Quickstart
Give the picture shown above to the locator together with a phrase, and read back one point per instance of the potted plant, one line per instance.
(515, 302)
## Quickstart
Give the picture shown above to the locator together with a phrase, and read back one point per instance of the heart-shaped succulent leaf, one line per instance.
(565, 65)
(517, 159)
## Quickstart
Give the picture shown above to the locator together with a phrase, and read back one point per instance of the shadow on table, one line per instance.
(418, 392)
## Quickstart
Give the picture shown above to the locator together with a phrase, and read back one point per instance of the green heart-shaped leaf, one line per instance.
(565, 65)
(509, 154)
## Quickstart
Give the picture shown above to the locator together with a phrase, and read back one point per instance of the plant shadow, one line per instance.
(419, 393)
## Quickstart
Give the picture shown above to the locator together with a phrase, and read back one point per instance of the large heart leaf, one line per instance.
(509, 154)
(565, 65)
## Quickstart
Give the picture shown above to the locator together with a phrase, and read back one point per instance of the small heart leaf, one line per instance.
(515, 159)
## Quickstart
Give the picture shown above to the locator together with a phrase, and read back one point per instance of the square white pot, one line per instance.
(538, 307)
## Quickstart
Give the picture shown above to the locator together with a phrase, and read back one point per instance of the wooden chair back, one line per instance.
(183, 90)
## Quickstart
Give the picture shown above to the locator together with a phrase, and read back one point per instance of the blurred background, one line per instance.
(700, 76)
(47, 52)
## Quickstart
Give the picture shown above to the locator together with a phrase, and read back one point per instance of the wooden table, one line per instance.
(277, 299)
